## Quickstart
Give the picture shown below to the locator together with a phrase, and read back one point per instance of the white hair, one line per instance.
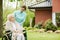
(10, 15)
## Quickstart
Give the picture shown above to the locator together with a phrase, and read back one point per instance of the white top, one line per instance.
(13, 26)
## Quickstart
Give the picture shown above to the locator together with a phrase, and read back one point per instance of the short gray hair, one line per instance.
(10, 15)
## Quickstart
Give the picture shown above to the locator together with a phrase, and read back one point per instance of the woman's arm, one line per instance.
(24, 18)
(9, 27)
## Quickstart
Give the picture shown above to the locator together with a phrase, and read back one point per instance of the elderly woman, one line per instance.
(15, 28)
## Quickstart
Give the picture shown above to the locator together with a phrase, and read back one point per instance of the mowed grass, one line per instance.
(42, 36)
(0, 38)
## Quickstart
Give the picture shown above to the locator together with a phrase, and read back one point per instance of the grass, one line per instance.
(43, 36)
(0, 39)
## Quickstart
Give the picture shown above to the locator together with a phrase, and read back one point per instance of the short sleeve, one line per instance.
(7, 27)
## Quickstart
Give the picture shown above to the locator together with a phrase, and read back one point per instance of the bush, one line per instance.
(39, 25)
(49, 26)
(33, 22)
(58, 19)
(29, 28)
(58, 28)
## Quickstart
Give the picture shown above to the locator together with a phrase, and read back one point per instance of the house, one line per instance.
(46, 10)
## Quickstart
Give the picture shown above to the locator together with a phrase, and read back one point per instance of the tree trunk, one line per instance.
(1, 22)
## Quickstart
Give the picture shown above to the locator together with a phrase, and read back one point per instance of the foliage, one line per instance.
(28, 28)
(6, 12)
(58, 28)
(11, 0)
(33, 22)
(14, 0)
(39, 25)
(29, 16)
(58, 19)
(49, 25)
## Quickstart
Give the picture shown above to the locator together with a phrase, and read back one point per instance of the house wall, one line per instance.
(54, 18)
(56, 5)
(42, 15)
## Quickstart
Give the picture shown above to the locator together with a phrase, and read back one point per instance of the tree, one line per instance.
(16, 2)
(1, 21)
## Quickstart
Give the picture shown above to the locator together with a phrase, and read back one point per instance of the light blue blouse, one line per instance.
(20, 17)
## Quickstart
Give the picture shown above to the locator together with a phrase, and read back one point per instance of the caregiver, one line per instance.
(20, 15)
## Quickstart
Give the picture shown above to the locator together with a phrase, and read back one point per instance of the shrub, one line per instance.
(58, 19)
(29, 28)
(39, 25)
(49, 26)
(33, 22)
(58, 28)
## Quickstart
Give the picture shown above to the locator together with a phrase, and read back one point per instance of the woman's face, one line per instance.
(12, 19)
(22, 9)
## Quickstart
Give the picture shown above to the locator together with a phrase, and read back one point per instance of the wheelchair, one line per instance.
(8, 35)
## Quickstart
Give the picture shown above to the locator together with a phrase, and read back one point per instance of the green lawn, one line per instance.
(0, 39)
(43, 36)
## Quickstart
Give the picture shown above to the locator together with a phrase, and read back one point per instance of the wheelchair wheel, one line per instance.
(25, 34)
(7, 35)
(4, 38)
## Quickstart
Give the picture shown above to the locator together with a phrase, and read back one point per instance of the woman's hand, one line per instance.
(17, 31)
(14, 31)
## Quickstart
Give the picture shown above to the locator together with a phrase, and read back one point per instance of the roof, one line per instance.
(41, 5)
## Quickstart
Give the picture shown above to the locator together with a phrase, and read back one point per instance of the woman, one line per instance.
(20, 17)
(15, 28)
